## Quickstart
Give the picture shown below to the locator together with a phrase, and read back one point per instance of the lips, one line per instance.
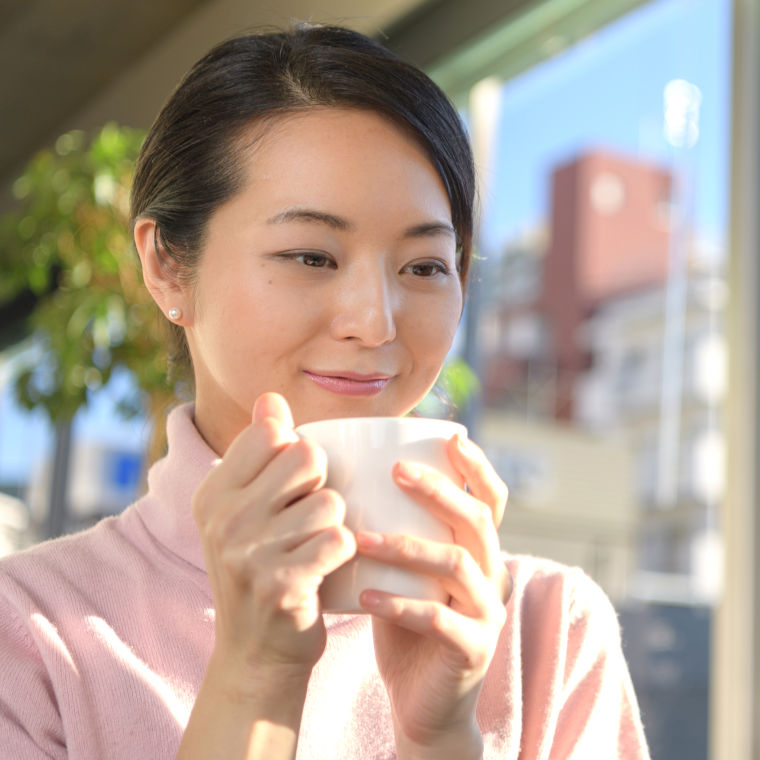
(349, 383)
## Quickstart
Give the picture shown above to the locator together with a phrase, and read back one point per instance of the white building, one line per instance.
(675, 433)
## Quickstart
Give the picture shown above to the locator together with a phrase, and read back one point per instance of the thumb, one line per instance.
(272, 405)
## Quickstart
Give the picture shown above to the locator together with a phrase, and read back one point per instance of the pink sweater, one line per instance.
(105, 635)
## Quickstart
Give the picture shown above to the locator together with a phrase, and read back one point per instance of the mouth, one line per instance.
(349, 383)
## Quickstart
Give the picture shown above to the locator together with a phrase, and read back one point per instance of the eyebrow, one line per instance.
(426, 229)
(310, 215)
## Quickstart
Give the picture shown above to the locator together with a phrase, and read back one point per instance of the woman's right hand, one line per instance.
(270, 532)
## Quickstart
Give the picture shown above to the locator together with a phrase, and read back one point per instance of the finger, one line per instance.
(274, 569)
(292, 580)
(243, 515)
(461, 634)
(451, 565)
(270, 431)
(323, 552)
(272, 405)
(295, 471)
(313, 513)
(482, 480)
(251, 451)
(245, 458)
(469, 518)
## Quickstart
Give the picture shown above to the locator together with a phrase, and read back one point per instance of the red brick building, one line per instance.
(608, 236)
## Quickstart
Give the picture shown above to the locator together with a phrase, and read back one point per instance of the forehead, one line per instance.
(325, 153)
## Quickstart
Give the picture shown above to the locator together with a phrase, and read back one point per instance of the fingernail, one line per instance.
(367, 539)
(464, 444)
(408, 473)
(370, 599)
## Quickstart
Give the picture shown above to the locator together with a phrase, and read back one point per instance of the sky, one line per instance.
(606, 91)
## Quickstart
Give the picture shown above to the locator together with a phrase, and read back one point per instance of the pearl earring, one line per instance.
(174, 314)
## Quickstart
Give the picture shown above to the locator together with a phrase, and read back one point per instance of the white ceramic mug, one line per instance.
(361, 452)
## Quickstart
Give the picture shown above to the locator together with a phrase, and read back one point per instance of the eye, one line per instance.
(427, 268)
(312, 259)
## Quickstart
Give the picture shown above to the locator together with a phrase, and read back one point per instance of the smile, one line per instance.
(349, 383)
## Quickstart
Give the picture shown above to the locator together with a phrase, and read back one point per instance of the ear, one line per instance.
(160, 276)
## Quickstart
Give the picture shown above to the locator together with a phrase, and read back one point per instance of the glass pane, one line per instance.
(598, 312)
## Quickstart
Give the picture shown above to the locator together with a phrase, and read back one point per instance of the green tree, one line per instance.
(455, 388)
(68, 243)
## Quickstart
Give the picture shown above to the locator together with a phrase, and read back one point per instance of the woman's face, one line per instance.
(330, 278)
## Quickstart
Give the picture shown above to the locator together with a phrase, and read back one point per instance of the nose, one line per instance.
(364, 308)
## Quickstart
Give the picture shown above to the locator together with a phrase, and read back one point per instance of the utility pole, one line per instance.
(57, 516)
(682, 102)
(485, 101)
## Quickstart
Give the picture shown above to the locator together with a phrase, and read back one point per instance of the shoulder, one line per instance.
(84, 567)
(550, 594)
(61, 553)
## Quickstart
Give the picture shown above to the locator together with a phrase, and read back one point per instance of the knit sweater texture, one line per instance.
(105, 636)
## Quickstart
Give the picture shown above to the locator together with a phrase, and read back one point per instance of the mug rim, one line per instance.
(429, 421)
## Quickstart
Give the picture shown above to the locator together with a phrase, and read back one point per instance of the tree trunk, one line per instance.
(57, 517)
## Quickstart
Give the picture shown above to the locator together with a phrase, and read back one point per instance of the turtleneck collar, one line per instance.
(172, 481)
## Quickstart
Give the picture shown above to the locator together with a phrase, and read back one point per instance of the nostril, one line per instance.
(372, 324)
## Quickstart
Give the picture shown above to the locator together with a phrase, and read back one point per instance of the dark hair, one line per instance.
(189, 164)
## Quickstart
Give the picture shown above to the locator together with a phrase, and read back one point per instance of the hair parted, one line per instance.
(192, 159)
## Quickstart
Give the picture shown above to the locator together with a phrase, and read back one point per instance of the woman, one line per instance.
(303, 215)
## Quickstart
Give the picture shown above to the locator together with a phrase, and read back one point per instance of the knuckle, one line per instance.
(332, 503)
(309, 457)
(437, 486)
(403, 545)
(341, 542)
(502, 492)
(315, 453)
(282, 577)
(267, 433)
(335, 546)
(303, 451)
(437, 619)
(284, 588)
(459, 561)
(272, 435)
(272, 588)
(482, 518)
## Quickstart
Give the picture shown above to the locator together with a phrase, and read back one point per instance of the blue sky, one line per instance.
(605, 91)
(26, 437)
(608, 91)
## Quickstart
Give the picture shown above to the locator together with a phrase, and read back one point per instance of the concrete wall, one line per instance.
(572, 497)
(136, 96)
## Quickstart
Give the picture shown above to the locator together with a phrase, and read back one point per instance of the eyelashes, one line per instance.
(313, 259)
(428, 268)
(424, 269)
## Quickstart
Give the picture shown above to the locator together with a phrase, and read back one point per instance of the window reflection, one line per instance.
(601, 310)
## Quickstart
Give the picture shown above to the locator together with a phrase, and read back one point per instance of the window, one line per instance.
(601, 132)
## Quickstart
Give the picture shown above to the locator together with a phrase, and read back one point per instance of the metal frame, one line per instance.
(735, 677)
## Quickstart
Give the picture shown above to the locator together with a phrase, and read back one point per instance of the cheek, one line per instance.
(434, 331)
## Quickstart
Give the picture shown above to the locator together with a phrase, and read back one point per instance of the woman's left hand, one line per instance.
(433, 657)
